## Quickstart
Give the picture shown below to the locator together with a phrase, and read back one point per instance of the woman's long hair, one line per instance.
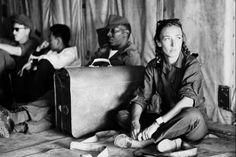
(167, 23)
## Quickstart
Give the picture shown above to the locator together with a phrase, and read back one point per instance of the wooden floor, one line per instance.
(51, 143)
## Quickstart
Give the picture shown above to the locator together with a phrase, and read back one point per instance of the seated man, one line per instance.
(33, 116)
(59, 56)
(14, 54)
(119, 50)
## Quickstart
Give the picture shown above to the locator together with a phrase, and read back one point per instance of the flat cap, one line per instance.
(115, 20)
(23, 20)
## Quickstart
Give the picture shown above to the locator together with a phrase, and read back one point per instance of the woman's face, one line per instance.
(171, 39)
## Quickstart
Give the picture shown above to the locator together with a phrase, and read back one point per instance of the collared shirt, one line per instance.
(112, 53)
(170, 83)
(67, 57)
(126, 56)
(27, 49)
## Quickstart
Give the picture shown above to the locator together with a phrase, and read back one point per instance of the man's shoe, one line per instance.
(167, 145)
(6, 124)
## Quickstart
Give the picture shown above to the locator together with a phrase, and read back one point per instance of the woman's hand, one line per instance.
(148, 132)
(135, 129)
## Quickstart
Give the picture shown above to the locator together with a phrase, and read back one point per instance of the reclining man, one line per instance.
(34, 116)
(14, 54)
(118, 49)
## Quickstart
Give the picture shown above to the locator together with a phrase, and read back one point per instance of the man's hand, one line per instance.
(33, 57)
(148, 132)
(42, 46)
(135, 129)
(27, 66)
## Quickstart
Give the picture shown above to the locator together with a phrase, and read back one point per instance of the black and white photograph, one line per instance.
(117, 78)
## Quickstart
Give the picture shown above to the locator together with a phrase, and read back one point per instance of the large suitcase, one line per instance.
(85, 97)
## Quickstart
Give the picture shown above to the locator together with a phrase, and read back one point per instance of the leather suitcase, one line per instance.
(85, 97)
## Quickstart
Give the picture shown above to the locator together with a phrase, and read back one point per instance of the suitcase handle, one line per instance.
(104, 60)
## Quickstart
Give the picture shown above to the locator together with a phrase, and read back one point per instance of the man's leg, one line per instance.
(189, 124)
(21, 85)
(6, 63)
(34, 111)
(43, 79)
(38, 126)
(39, 114)
(39, 109)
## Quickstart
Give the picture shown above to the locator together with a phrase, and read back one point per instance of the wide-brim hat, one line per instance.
(23, 20)
(115, 20)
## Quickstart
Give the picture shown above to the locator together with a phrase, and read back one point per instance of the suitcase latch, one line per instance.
(64, 109)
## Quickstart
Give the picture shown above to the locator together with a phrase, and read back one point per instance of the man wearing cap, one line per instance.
(34, 116)
(14, 54)
(119, 50)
